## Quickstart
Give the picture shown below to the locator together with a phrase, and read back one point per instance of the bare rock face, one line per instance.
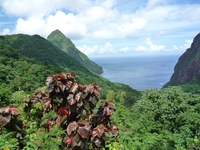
(188, 67)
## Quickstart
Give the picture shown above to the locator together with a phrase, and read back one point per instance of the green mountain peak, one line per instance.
(65, 44)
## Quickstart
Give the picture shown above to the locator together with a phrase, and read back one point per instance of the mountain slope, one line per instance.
(42, 51)
(65, 44)
(20, 73)
(187, 70)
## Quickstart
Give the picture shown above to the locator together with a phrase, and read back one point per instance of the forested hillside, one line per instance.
(20, 73)
(62, 42)
(40, 50)
(26, 61)
(72, 114)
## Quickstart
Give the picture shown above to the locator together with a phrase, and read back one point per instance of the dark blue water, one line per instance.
(139, 72)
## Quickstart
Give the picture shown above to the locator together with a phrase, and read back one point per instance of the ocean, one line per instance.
(139, 72)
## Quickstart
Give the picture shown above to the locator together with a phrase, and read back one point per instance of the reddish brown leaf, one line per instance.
(115, 130)
(60, 120)
(14, 111)
(69, 140)
(73, 74)
(100, 129)
(83, 131)
(107, 111)
(48, 104)
(72, 127)
(4, 119)
(74, 88)
(4, 110)
(81, 87)
(63, 111)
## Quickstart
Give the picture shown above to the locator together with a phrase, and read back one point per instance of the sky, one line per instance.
(108, 27)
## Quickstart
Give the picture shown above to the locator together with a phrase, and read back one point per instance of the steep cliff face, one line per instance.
(188, 67)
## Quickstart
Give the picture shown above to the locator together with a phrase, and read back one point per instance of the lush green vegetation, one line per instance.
(20, 73)
(167, 118)
(65, 44)
(60, 117)
(163, 119)
(38, 51)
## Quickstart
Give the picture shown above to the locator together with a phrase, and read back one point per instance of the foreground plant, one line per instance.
(68, 107)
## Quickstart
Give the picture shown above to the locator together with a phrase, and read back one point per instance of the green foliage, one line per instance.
(43, 140)
(191, 87)
(62, 42)
(58, 118)
(7, 140)
(110, 95)
(165, 119)
(21, 73)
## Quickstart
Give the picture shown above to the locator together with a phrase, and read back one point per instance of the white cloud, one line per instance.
(125, 49)
(5, 31)
(150, 47)
(175, 47)
(67, 23)
(183, 47)
(132, 29)
(104, 34)
(153, 3)
(107, 3)
(101, 20)
(26, 8)
(184, 13)
(107, 48)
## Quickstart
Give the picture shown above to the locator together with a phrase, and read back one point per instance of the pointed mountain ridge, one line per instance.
(65, 44)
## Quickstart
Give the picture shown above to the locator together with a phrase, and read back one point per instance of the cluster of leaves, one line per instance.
(9, 120)
(68, 109)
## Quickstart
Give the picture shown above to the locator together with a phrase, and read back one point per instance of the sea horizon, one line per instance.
(141, 72)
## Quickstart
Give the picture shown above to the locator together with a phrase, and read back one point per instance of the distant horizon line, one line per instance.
(134, 55)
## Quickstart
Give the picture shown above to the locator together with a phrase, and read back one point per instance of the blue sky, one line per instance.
(108, 27)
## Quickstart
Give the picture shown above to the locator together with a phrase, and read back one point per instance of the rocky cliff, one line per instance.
(187, 70)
